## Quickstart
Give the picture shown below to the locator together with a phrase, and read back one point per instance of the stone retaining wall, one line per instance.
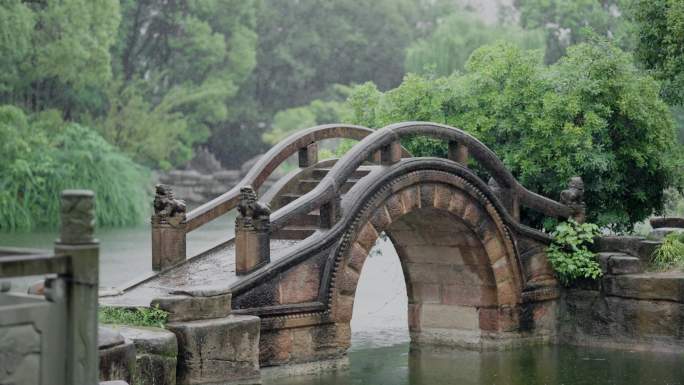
(637, 312)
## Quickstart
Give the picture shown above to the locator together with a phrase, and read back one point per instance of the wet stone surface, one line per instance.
(214, 271)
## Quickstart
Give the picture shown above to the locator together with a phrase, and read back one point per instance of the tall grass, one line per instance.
(42, 156)
(670, 253)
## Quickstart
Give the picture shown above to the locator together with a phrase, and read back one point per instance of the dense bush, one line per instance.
(569, 252)
(592, 114)
(40, 156)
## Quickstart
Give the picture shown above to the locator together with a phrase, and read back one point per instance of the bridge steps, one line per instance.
(305, 225)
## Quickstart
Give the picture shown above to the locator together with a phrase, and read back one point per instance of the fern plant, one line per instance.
(670, 253)
(569, 252)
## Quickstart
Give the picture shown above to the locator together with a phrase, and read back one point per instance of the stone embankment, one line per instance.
(628, 307)
(204, 178)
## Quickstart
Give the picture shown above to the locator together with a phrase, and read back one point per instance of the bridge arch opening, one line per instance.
(461, 280)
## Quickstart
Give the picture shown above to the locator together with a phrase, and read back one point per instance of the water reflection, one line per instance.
(401, 365)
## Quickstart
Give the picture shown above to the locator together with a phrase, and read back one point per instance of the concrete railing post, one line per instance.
(573, 197)
(252, 233)
(168, 229)
(458, 153)
(76, 240)
(391, 153)
(308, 156)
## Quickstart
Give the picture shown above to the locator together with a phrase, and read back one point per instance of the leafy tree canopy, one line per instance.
(178, 65)
(592, 114)
(571, 22)
(55, 54)
(660, 43)
(447, 49)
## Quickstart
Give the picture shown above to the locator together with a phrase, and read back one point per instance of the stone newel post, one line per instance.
(168, 229)
(573, 197)
(252, 233)
(76, 240)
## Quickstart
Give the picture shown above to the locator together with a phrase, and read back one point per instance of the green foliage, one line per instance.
(569, 253)
(592, 114)
(193, 56)
(447, 49)
(41, 156)
(567, 23)
(670, 253)
(660, 43)
(55, 54)
(139, 316)
(331, 110)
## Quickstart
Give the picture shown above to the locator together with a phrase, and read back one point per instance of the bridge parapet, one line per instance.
(462, 146)
(169, 242)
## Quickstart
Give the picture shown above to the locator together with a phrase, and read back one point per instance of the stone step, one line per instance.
(287, 198)
(308, 220)
(616, 263)
(307, 185)
(646, 286)
(292, 232)
(320, 173)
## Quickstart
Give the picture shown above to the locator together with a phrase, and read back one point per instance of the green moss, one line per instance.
(139, 316)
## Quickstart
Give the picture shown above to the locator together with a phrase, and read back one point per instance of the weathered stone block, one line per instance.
(156, 354)
(217, 350)
(367, 236)
(660, 233)
(357, 257)
(623, 264)
(449, 317)
(199, 304)
(300, 284)
(117, 357)
(646, 286)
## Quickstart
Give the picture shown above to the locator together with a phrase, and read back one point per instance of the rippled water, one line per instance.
(381, 353)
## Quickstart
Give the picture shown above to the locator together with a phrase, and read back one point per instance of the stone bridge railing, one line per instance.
(169, 228)
(171, 224)
(462, 145)
(53, 340)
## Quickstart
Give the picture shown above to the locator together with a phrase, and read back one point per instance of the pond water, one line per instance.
(381, 353)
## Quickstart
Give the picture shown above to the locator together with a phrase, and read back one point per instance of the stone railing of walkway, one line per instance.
(53, 339)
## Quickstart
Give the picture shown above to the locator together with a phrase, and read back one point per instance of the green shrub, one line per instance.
(139, 316)
(41, 155)
(670, 253)
(569, 253)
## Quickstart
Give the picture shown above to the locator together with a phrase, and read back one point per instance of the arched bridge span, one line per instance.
(475, 275)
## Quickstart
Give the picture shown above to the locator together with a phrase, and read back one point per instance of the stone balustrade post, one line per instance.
(508, 198)
(252, 233)
(76, 241)
(330, 212)
(308, 156)
(573, 197)
(391, 153)
(168, 229)
(458, 153)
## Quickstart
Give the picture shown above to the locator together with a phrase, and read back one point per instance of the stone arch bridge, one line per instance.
(475, 275)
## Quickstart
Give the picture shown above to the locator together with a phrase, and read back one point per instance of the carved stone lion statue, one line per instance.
(250, 207)
(574, 194)
(166, 206)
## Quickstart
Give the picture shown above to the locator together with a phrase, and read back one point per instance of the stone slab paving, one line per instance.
(213, 270)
